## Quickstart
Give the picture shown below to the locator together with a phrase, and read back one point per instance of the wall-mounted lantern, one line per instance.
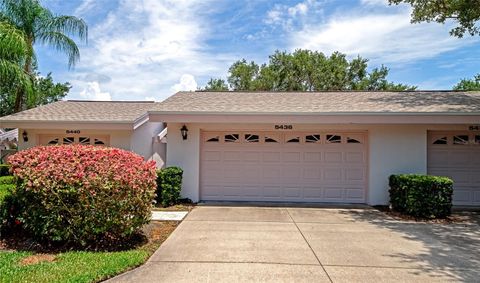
(184, 132)
(25, 136)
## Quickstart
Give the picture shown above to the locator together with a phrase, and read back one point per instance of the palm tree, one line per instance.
(40, 25)
(13, 54)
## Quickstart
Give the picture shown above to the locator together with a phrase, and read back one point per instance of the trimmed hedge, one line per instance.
(80, 195)
(5, 170)
(169, 185)
(422, 196)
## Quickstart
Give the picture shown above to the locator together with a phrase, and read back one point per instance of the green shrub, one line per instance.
(169, 185)
(5, 189)
(5, 170)
(7, 180)
(80, 195)
(422, 196)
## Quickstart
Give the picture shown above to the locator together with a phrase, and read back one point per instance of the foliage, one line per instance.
(169, 185)
(13, 52)
(44, 91)
(468, 84)
(40, 25)
(216, 85)
(305, 70)
(7, 180)
(80, 194)
(466, 13)
(421, 196)
(4, 170)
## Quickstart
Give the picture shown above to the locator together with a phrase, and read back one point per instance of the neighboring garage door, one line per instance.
(292, 167)
(457, 155)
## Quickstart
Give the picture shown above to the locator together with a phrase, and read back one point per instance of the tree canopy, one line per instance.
(468, 84)
(40, 25)
(466, 13)
(305, 70)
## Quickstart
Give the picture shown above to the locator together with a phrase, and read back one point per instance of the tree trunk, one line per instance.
(21, 94)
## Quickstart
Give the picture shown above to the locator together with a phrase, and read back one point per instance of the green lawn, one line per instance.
(70, 266)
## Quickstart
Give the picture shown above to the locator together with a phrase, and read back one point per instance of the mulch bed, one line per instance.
(153, 233)
(456, 217)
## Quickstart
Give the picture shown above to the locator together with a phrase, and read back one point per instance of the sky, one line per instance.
(150, 49)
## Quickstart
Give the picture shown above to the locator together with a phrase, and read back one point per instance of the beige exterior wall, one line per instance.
(145, 143)
(392, 149)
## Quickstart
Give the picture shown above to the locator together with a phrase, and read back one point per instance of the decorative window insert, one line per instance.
(98, 142)
(460, 140)
(84, 140)
(212, 138)
(292, 138)
(252, 138)
(271, 139)
(232, 138)
(477, 139)
(312, 138)
(353, 139)
(334, 139)
(68, 140)
(53, 142)
(441, 140)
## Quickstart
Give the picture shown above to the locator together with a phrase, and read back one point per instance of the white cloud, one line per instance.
(383, 38)
(374, 2)
(187, 83)
(300, 8)
(150, 98)
(144, 46)
(92, 92)
(86, 6)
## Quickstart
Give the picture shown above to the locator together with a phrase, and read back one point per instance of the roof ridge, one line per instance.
(110, 101)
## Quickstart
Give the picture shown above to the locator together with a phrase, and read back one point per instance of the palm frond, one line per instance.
(62, 43)
(12, 43)
(68, 25)
(14, 74)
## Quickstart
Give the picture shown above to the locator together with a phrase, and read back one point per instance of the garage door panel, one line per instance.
(272, 156)
(333, 157)
(292, 193)
(284, 171)
(460, 162)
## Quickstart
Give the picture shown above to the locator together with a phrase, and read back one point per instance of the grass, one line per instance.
(77, 266)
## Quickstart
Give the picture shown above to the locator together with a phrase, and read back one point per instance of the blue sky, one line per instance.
(149, 49)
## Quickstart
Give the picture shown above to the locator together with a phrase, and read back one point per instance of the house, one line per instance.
(104, 123)
(286, 146)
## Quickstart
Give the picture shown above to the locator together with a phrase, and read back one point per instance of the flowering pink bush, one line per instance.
(82, 194)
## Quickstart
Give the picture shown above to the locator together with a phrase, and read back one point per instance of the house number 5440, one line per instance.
(283, 127)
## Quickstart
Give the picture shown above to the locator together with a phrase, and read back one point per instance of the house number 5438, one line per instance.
(283, 127)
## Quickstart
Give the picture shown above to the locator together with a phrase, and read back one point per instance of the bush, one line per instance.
(169, 185)
(7, 180)
(5, 170)
(81, 194)
(421, 196)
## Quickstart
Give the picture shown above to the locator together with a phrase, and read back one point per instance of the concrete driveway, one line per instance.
(235, 244)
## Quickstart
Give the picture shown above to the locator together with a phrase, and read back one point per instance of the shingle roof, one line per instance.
(84, 111)
(321, 102)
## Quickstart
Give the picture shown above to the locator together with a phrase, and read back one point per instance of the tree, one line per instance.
(305, 70)
(468, 84)
(216, 85)
(40, 25)
(466, 13)
(44, 91)
(13, 50)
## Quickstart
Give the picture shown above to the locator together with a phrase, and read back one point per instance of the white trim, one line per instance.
(374, 119)
(162, 136)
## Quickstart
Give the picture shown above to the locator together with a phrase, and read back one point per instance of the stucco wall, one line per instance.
(392, 149)
(143, 142)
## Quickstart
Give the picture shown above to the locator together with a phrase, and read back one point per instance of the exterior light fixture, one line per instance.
(184, 132)
(25, 136)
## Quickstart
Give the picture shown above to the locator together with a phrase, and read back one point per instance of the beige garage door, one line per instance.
(457, 155)
(296, 167)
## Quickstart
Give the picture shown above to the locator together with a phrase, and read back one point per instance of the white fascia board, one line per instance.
(329, 118)
(84, 125)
